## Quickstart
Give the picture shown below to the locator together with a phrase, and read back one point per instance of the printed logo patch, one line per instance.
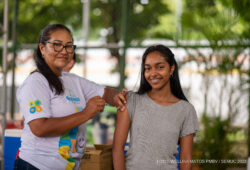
(70, 96)
(35, 106)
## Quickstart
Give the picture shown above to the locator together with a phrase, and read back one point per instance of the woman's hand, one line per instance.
(95, 104)
(120, 99)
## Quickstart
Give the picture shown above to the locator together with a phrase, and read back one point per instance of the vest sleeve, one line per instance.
(91, 89)
(34, 99)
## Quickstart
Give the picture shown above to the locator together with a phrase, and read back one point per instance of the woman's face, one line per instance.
(157, 70)
(57, 59)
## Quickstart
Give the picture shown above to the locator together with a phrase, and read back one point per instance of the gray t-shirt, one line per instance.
(155, 131)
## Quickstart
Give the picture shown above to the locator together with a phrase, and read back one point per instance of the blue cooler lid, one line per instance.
(12, 142)
(13, 132)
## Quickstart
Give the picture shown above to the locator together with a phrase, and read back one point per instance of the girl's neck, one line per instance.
(163, 96)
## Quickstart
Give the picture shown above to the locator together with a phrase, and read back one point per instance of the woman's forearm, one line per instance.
(115, 98)
(45, 127)
(48, 127)
(109, 95)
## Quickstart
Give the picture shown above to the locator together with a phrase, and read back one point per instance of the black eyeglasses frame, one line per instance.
(63, 46)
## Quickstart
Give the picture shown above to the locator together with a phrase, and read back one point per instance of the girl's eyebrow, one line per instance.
(155, 64)
(159, 63)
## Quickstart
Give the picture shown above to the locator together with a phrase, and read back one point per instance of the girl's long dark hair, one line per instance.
(174, 79)
(42, 67)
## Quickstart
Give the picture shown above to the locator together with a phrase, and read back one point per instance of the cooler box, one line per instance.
(12, 142)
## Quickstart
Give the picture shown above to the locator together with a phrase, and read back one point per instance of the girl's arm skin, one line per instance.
(46, 127)
(186, 146)
(120, 137)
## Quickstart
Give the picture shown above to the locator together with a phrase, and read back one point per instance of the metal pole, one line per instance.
(178, 13)
(14, 41)
(4, 70)
(85, 22)
(125, 43)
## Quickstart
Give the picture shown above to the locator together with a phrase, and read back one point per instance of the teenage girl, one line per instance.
(158, 116)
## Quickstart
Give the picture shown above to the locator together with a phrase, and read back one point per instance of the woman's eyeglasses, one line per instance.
(58, 47)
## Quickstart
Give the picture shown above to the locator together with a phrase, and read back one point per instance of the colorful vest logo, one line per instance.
(35, 106)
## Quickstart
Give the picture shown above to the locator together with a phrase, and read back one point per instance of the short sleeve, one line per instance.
(190, 124)
(91, 89)
(131, 104)
(34, 98)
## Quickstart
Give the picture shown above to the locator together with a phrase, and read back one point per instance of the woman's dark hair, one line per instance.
(42, 67)
(74, 57)
(174, 79)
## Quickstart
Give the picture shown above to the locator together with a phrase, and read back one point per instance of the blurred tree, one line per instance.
(216, 20)
(242, 8)
(34, 15)
(105, 18)
(206, 20)
(140, 19)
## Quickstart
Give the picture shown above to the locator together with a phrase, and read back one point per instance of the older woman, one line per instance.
(56, 106)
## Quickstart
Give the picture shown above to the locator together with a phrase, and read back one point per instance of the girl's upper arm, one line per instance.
(121, 128)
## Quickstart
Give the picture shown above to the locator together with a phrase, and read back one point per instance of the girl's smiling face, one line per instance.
(157, 70)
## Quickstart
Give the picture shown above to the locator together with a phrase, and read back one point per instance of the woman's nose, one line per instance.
(64, 51)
